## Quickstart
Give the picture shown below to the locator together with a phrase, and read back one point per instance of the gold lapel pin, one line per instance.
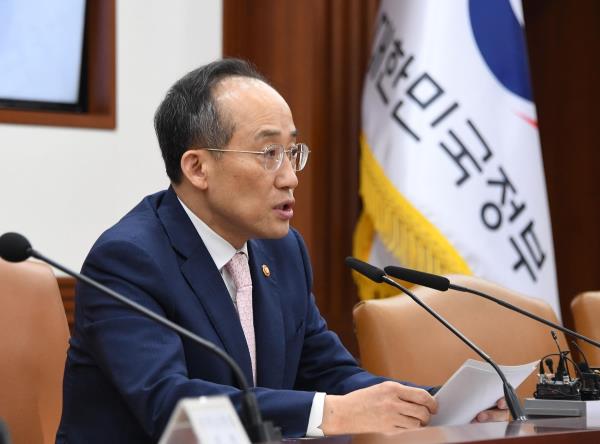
(266, 270)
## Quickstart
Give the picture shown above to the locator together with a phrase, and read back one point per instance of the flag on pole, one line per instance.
(451, 173)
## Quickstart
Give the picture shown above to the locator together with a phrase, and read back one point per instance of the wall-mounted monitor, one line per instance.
(41, 54)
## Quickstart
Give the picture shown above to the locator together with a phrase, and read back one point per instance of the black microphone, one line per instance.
(562, 369)
(16, 248)
(366, 269)
(378, 275)
(425, 279)
(442, 284)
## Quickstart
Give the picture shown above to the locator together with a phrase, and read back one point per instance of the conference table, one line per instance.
(533, 431)
(550, 431)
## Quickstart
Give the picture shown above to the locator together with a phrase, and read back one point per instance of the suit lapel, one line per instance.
(205, 280)
(268, 318)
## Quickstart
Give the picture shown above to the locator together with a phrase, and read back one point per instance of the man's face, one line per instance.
(244, 200)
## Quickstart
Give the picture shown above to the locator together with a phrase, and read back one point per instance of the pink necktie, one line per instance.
(240, 273)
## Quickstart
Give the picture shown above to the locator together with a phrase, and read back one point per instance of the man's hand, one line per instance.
(384, 407)
(500, 413)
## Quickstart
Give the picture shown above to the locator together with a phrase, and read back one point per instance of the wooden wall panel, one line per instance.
(315, 52)
(564, 43)
(67, 291)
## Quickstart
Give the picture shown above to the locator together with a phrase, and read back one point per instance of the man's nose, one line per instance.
(286, 176)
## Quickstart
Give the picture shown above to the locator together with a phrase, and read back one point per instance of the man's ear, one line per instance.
(194, 166)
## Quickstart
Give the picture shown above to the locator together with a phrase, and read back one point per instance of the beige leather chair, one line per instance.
(586, 314)
(399, 339)
(33, 342)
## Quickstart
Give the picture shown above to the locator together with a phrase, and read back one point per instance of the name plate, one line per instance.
(204, 420)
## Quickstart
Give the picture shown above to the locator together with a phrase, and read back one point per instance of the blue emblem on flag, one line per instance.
(501, 41)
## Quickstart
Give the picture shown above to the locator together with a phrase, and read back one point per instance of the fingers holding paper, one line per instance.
(499, 413)
(384, 407)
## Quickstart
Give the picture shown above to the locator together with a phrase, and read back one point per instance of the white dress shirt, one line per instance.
(221, 252)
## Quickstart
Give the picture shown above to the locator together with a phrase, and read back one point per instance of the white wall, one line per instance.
(62, 187)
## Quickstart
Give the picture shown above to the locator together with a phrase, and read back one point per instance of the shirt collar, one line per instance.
(219, 249)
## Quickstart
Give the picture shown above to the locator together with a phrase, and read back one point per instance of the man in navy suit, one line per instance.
(229, 145)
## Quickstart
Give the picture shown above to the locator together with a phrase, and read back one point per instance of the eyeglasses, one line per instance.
(272, 155)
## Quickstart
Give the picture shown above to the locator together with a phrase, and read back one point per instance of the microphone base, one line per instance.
(514, 405)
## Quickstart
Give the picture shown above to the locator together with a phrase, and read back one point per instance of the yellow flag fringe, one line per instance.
(405, 232)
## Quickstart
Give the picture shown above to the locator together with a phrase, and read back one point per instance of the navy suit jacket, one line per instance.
(125, 373)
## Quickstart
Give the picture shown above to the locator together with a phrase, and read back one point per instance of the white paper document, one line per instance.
(474, 387)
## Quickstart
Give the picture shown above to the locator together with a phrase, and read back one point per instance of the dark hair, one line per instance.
(188, 116)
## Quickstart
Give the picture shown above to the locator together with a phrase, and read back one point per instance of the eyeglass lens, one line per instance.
(297, 155)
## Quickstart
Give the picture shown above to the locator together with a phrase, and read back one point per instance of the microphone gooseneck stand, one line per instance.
(442, 283)
(378, 275)
(525, 313)
(16, 248)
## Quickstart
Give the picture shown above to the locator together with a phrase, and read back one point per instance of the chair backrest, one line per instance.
(399, 339)
(33, 342)
(586, 313)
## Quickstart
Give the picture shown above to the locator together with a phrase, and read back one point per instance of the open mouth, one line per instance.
(285, 209)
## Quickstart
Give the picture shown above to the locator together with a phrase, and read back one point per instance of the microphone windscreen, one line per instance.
(14, 247)
(368, 270)
(418, 277)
